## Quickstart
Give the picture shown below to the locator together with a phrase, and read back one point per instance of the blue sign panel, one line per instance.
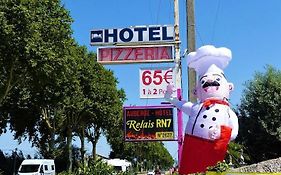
(143, 34)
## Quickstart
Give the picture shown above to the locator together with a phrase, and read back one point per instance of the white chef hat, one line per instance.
(207, 55)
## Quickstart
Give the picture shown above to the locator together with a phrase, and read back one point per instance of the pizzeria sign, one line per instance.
(135, 54)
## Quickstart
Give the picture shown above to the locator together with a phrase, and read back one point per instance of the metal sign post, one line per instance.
(178, 77)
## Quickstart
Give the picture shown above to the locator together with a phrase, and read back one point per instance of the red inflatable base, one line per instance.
(199, 153)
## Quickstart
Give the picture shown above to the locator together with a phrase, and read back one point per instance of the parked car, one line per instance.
(37, 166)
(150, 172)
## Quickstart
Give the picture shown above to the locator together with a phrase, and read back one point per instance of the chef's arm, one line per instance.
(233, 124)
(182, 105)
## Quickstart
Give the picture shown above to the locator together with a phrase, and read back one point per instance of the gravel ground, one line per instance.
(269, 166)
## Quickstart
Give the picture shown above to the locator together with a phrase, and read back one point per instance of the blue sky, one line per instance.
(251, 29)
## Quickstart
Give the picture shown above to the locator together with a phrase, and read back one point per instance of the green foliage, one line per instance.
(34, 35)
(95, 167)
(219, 167)
(34, 50)
(10, 162)
(236, 155)
(50, 87)
(148, 155)
(259, 118)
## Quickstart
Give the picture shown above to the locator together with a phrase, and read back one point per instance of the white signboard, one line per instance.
(154, 81)
(139, 34)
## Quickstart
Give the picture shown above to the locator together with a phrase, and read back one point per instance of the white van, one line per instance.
(119, 164)
(37, 167)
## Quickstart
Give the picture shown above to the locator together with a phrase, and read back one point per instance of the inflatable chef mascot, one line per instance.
(212, 124)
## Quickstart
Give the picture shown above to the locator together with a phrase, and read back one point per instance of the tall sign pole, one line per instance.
(191, 47)
(178, 76)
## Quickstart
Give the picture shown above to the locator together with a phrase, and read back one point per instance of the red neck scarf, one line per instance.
(212, 101)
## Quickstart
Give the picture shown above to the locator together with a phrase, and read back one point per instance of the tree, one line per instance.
(104, 109)
(259, 120)
(50, 86)
(39, 59)
(34, 36)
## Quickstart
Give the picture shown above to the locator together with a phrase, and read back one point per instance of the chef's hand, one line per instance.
(214, 132)
(169, 92)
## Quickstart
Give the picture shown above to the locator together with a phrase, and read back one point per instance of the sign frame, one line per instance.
(148, 110)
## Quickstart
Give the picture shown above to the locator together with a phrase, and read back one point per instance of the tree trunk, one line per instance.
(93, 137)
(49, 121)
(94, 144)
(69, 148)
(82, 149)
(52, 145)
(8, 85)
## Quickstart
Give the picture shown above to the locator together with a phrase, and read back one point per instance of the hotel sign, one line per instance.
(139, 34)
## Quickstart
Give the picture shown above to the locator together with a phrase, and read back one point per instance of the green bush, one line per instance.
(220, 167)
(95, 167)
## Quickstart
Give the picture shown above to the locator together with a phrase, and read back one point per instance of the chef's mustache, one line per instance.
(213, 83)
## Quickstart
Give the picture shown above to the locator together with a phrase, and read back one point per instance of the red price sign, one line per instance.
(153, 82)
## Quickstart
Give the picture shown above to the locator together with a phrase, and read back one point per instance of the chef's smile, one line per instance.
(210, 85)
(214, 85)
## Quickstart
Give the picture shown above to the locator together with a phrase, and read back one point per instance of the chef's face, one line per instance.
(213, 85)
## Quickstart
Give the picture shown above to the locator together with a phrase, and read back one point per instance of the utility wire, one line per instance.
(200, 38)
(215, 21)
(171, 7)
(158, 11)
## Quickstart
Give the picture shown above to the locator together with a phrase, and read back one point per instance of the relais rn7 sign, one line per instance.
(148, 123)
(144, 34)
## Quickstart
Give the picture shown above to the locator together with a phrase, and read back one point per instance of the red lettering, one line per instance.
(148, 54)
(129, 51)
(163, 112)
(134, 53)
(138, 53)
(156, 54)
(105, 54)
(157, 77)
(117, 55)
(158, 112)
(164, 53)
(146, 77)
(138, 113)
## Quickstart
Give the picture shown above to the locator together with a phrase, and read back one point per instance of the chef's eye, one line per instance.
(202, 81)
(218, 79)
